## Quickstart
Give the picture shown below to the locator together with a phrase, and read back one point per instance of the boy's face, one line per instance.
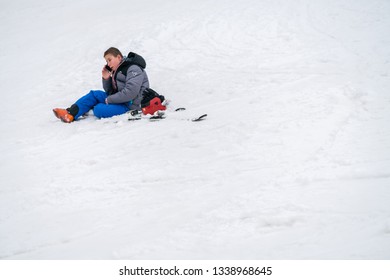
(113, 61)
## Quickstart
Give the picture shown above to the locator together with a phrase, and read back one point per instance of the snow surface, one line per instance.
(292, 162)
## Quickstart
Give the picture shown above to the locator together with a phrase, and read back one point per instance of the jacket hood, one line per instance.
(135, 59)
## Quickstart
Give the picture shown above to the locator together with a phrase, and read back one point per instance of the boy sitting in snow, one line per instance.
(124, 81)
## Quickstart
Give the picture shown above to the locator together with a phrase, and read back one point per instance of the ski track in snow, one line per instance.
(291, 163)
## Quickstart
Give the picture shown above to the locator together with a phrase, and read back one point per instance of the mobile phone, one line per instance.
(108, 68)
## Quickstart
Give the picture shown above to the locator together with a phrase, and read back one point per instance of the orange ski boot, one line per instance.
(63, 115)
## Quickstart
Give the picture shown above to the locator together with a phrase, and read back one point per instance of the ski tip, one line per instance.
(201, 118)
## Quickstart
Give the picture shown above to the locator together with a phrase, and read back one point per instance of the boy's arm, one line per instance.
(107, 85)
(106, 78)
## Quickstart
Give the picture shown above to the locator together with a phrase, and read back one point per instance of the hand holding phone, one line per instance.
(106, 72)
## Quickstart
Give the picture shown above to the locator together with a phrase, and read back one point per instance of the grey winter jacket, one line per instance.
(128, 87)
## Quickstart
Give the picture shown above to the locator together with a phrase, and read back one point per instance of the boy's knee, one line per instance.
(99, 95)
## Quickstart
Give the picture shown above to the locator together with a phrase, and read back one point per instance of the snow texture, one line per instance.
(292, 162)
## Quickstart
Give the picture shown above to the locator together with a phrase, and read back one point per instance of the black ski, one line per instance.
(201, 118)
(135, 115)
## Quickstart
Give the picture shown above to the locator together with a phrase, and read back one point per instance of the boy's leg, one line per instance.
(87, 102)
(109, 110)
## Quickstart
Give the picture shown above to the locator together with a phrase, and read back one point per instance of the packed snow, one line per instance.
(291, 163)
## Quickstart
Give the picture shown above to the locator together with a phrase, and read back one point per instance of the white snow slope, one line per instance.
(292, 162)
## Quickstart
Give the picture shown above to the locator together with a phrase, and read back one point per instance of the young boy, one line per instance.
(124, 80)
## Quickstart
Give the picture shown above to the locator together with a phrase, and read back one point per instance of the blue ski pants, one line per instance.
(95, 100)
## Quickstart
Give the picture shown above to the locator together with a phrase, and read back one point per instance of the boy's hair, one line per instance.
(113, 51)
